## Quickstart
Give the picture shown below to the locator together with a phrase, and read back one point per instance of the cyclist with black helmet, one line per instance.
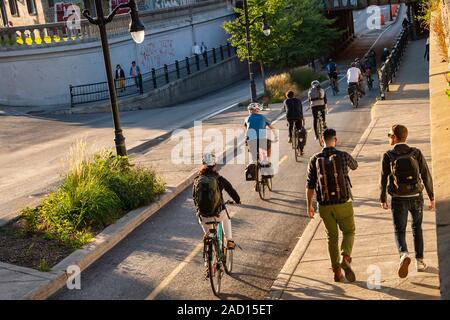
(318, 103)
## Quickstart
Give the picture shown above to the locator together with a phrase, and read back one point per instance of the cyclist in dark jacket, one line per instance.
(294, 112)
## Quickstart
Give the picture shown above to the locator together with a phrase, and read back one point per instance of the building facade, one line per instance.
(29, 12)
(14, 13)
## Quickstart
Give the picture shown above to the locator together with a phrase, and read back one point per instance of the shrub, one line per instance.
(303, 77)
(278, 85)
(94, 193)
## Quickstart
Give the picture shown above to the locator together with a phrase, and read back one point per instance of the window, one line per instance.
(13, 8)
(51, 3)
(31, 5)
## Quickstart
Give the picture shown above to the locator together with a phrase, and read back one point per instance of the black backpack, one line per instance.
(332, 181)
(207, 195)
(405, 170)
(302, 136)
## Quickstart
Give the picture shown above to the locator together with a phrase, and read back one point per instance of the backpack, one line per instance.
(302, 136)
(250, 172)
(405, 171)
(207, 195)
(316, 94)
(331, 179)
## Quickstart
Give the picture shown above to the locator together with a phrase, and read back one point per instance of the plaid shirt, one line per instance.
(311, 181)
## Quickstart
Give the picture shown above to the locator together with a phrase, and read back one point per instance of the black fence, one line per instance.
(389, 68)
(152, 80)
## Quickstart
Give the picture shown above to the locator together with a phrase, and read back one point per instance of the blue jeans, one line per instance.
(400, 209)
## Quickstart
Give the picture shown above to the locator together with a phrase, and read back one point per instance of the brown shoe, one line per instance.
(338, 277)
(231, 245)
(345, 265)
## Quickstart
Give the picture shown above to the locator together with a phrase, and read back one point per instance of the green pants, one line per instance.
(342, 216)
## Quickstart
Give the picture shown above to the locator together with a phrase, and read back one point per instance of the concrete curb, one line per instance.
(289, 268)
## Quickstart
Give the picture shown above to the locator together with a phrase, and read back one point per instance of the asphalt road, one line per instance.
(162, 258)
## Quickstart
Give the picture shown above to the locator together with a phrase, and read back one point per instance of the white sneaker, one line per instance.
(404, 265)
(420, 265)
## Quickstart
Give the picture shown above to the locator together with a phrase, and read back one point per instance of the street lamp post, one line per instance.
(266, 32)
(390, 11)
(138, 34)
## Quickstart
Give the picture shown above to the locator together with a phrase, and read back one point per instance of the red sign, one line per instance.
(115, 3)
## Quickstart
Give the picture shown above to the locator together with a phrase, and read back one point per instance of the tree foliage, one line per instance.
(299, 31)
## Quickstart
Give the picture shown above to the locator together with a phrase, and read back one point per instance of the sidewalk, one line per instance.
(307, 273)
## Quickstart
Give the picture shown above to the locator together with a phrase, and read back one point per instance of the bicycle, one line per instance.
(369, 82)
(334, 85)
(216, 254)
(263, 183)
(321, 126)
(354, 94)
(296, 139)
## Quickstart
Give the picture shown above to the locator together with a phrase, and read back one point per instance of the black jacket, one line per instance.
(224, 184)
(120, 74)
(387, 180)
(293, 108)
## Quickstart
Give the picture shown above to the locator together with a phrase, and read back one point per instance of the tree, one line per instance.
(299, 31)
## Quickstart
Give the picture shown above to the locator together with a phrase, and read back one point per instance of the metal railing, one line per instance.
(55, 34)
(389, 68)
(152, 80)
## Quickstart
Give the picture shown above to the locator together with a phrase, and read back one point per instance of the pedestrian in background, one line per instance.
(135, 72)
(427, 50)
(204, 50)
(403, 174)
(328, 177)
(120, 77)
(196, 49)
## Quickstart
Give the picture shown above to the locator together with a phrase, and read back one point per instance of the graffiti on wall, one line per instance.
(161, 4)
(156, 54)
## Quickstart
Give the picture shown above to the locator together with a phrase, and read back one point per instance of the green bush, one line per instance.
(303, 77)
(94, 193)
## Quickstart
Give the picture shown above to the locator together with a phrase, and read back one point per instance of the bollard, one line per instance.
(155, 85)
(177, 66)
(166, 73)
(188, 66)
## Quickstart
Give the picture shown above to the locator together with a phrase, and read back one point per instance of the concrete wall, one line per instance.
(41, 77)
(199, 84)
(196, 85)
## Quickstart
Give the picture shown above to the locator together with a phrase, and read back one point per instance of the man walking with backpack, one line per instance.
(328, 177)
(207, 194)
(318, 102)
(404, 173)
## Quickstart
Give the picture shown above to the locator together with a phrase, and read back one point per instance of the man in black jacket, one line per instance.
(404, 173)
(294, 112)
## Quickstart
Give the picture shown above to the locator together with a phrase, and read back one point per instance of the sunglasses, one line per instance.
(390, 135)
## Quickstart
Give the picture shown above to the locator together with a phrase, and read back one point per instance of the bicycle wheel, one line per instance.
(298, 154)
(215, 271)
(269, 184)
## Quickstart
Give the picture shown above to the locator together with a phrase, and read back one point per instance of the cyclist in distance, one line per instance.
(355, 77)
(318, 102)
(294, 112)
(332, 71)
(256, 125)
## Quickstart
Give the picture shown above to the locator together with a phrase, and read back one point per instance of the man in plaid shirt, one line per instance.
(335, 214)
